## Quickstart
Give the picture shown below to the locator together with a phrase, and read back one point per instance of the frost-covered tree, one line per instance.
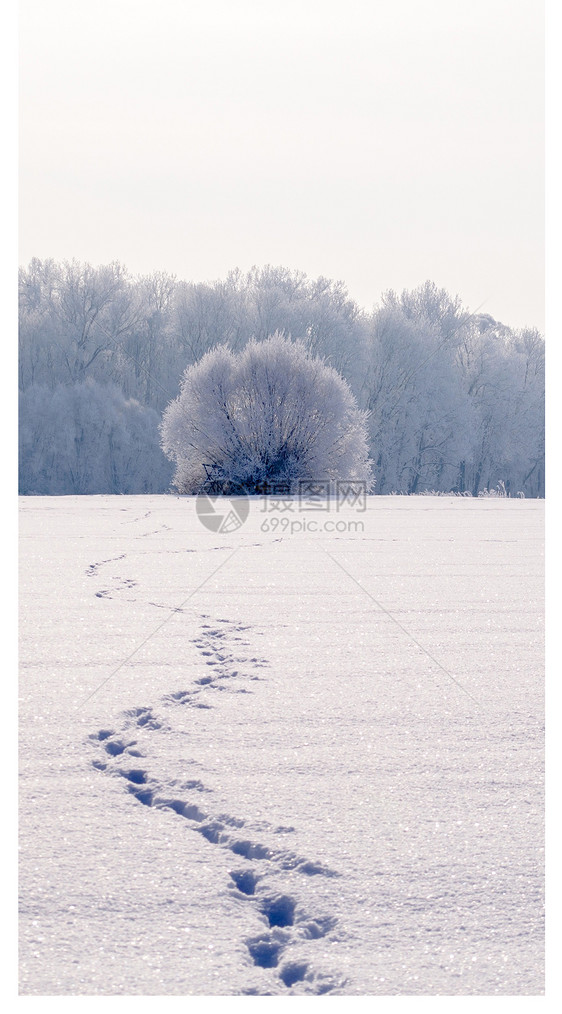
(88, 438)
(455, 399)
(272, 413)
(420, 420)
(504, 376)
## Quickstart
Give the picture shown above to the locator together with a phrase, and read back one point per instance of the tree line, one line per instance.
(455, 399)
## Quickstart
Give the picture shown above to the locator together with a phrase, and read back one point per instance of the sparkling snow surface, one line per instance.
(281, 792)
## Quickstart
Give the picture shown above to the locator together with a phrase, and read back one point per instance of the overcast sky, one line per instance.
(381, 143)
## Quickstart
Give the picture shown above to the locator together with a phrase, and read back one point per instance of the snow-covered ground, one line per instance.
(275, 762)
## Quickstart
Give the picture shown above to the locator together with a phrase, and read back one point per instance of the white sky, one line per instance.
(381, 143)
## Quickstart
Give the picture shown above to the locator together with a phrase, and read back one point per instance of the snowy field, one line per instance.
(280, 763)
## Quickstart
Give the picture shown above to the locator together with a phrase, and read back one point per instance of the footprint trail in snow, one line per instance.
(221, 648)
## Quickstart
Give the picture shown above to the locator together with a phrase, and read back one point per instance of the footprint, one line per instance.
(294, 971)
(136, 776)
(195, 783)
(313, 869)
(265, 950)
(149, 722)
(212, 832)
(323, 984)
(314, 929)
(144, 796)
(250, 850)
(279, 910)
(178, 696)
(188, 810)
(245, 880)
(144, 718)
(114, 747)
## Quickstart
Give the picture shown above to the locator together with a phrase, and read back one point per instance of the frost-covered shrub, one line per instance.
(499, 491)
(440, 492)
(271, 414)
